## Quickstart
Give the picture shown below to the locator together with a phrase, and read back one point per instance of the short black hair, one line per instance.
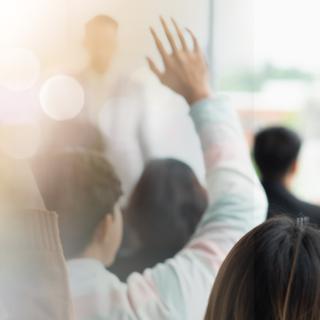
(275, 150)
(101, 19)
(167, 204)
(82, 187)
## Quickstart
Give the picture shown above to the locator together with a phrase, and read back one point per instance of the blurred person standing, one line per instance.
(139, 120)
(113, 101)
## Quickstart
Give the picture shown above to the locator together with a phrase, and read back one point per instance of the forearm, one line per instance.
(33, 275)
(234, 191)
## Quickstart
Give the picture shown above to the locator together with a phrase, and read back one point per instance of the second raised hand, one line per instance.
(185, 69)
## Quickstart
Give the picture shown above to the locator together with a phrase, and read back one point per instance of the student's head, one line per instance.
(273, 273)
(276, 151)
(167, 204)
(83, 189)
(62, 135)
(101, 41)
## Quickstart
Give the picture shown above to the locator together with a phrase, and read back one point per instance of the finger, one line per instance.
(154, 68)
(196, 45)
(180, 34)
(159, 45)
(169, 36)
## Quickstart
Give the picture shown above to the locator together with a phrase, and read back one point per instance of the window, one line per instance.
(266, 57)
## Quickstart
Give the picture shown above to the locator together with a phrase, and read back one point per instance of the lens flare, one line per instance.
(62, 97)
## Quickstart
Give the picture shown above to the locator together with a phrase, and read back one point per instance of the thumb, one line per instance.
(154, 68)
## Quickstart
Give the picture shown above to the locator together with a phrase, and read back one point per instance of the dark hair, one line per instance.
(273, 273)
(82, 188)
(100, 20)
(275, 150)
(167, 204)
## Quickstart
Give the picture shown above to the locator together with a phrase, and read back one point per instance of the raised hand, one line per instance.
(185, 69)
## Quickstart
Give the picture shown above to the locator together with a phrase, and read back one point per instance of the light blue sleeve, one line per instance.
(235, 192)
(237, 203)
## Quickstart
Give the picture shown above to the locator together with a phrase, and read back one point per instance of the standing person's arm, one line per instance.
(179, 288)
(33, 279)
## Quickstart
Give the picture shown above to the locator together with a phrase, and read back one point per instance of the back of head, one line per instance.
(273, 273)
(275, 151)
(82, 188)
(167, 204)
(71, 134)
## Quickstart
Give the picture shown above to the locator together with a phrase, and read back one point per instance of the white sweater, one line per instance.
(33, 276)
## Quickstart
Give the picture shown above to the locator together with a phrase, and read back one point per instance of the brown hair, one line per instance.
(82, 187)
(273, 273)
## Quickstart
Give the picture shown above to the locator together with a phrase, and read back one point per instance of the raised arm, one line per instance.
(33, 281)
(224, 147)
(237, 201)
(185, 70)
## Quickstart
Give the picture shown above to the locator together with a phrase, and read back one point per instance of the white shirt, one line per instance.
(116, 104)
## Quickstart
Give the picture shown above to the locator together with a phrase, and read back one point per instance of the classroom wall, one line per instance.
(54, 28)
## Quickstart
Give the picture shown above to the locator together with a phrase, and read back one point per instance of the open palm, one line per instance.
(185, 70)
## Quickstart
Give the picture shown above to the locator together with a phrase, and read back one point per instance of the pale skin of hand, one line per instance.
(185, 69)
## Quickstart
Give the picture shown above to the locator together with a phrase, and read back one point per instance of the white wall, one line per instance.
(135, 17)
(54, 30)
(54, 27)
(233, 38)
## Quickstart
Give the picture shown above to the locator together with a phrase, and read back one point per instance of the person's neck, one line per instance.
(285, 181)
(96, 253)
(98, 68)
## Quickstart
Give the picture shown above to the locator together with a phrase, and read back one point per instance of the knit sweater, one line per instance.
(33, 277)
(179, 288)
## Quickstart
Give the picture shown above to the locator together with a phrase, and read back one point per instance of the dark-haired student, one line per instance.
(178, 288)
(276, 151)
(163, 212)
(273, 273)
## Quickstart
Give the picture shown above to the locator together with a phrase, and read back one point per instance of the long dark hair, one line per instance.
(167, 204)
(273, 273)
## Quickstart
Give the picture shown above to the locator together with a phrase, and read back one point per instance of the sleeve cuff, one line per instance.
(211, 110)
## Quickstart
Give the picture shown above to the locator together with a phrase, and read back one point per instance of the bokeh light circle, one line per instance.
(20, 69)
(62, 97)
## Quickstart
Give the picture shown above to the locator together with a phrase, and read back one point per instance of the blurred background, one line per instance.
(263, 54)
